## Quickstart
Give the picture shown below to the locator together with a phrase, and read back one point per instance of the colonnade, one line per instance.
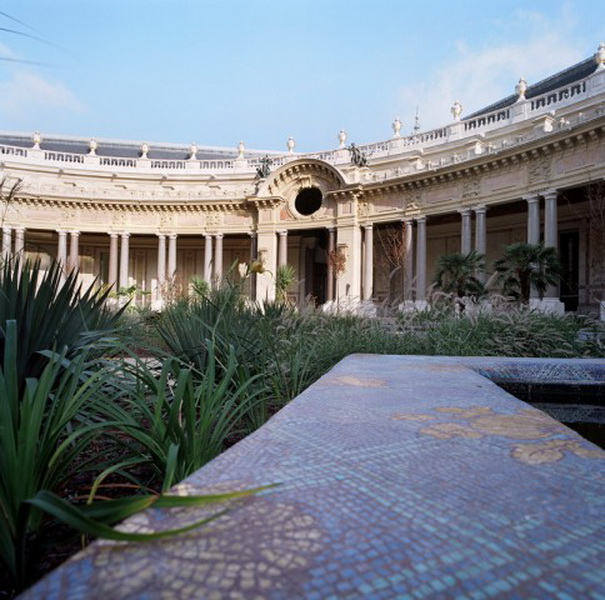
(414, 231)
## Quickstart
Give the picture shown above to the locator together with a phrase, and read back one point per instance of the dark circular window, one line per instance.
(308, 201)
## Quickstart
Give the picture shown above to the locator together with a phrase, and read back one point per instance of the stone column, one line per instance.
(124, 262)
(408, 269)
(171, 255)
(480, 236)
(465, 234)
(551, 233)
(533, 219)
(368, 263)
(218, 259)
(331, 248)
(208, 259)
(283, 249)
(421, 262)
(74, 253)
(161, 259)
(61, 249)
(20, 243)
(348, 285)
(253, 255)
(6, 243)
(551, 240)
(112, 279)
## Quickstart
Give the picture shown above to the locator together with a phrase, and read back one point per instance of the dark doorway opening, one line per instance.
(569, 246)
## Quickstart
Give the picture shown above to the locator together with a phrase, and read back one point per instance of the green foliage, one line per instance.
(284, 279)
(45, 426)
(49, 314)
(456, 274)
(178, 418)
(525, 265)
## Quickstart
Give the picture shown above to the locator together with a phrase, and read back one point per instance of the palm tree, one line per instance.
(455, 274)
(526, 265)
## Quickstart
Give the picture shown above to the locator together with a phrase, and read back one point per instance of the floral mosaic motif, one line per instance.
(357, 381)
(477, 422)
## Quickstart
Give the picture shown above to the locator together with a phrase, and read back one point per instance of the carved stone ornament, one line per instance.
(144, 149)
(471, 188)
(364, 208)
(92, 147)
(37, 139)
(241, 148)
(291, 144)
(456, 110)
(396, 127)
(342, 138)
(539, 170)
(193, 152)
(521, 88)
(214, 219)
(599, 57)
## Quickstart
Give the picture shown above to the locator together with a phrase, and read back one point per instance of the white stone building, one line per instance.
(530, 167)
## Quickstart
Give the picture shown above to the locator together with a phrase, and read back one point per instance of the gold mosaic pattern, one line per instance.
(477, 422)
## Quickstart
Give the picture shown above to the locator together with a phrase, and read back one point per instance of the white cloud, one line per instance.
(26, 95)
(479, 77)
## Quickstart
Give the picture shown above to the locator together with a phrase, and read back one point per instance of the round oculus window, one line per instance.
(308, 201)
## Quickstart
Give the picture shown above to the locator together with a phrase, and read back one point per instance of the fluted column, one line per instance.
(208, 258)
(124, 261)
(421, 260)
(331, 249)
(74, 251)
(218, 258)
(465, 234)
(161, 259)
(533, 219)
(172, 255)
(283, 249)
(113, 261)
(480, 237)
(408, 269)
(6, 242)
(368, 262)
(61, 249)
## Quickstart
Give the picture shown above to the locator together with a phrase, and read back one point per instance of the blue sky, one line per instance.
(216, 72)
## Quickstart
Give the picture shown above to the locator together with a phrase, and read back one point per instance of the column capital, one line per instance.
(481, 208)
(20, 229)
(113, 235)
(61, 232)
(420, 219)
(219, 236)
(125, 234)
(173, 236)
(550, 194)
(207, 236)
(74, 233)
(368, 226)
(161, 235)
(253, 234)
(532, 198)
(7, 229)
(283, 232)
(464, 211)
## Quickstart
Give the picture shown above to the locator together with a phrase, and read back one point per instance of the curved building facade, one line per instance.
(359, 226)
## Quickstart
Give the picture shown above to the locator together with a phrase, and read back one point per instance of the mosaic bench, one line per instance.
(401, 477)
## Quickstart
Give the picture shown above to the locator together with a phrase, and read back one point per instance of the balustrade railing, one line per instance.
(550, 101)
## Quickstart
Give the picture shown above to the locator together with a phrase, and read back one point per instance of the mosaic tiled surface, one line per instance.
(401, 477)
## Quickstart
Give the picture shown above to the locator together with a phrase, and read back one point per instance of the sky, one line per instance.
(215, 72)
